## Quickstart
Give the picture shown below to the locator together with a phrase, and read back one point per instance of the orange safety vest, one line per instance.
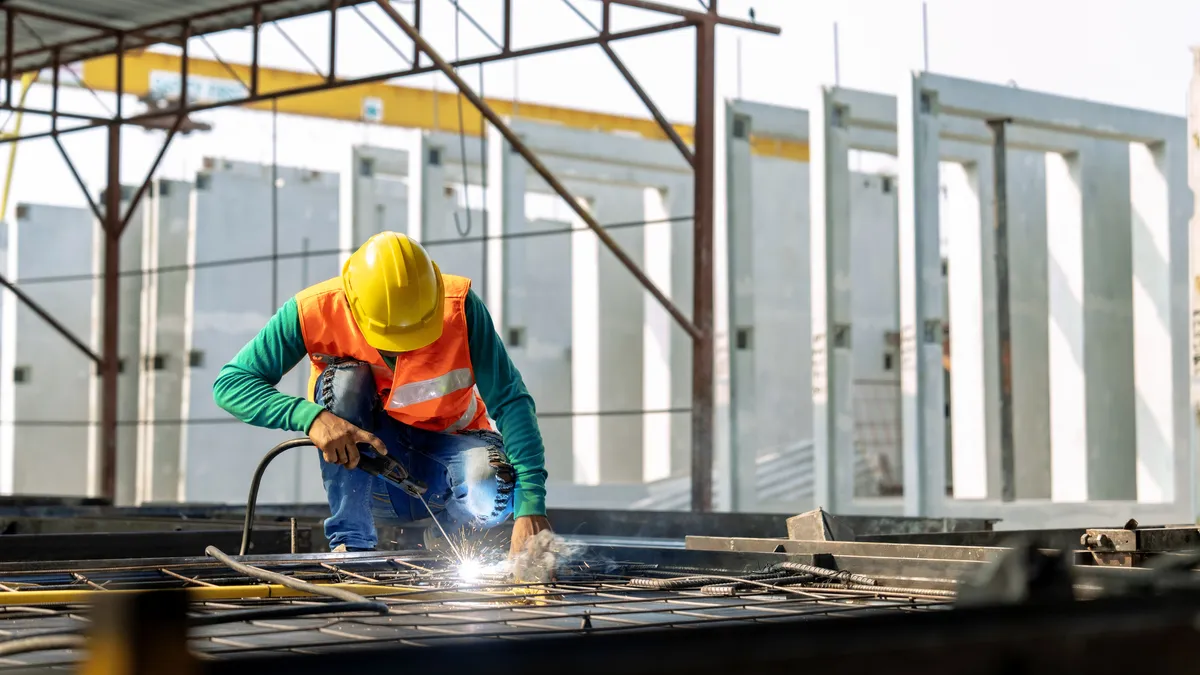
(432, 388)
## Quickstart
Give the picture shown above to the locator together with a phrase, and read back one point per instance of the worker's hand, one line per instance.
(339, 439)
(523, 529)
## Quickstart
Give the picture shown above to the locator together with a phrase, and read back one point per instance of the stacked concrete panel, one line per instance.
(232, 302)
(165, 355)
(624, 182)
(379, 192)
(45, 434)
(452, 222)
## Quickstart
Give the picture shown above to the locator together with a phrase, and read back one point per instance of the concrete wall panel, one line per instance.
(164, 346)
(232, 302)
(46, 437)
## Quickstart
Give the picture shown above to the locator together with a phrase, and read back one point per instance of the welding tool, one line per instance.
(391, 471)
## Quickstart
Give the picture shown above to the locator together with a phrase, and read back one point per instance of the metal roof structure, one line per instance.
(51, 32)
(79, 30)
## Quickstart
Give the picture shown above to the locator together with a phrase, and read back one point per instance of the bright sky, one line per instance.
(1127, 52)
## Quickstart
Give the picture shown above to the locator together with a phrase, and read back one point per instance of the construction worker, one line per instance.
(405, 359)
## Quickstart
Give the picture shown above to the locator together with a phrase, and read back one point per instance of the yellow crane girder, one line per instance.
(392, 105)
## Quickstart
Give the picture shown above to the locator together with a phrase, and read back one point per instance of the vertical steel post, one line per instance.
(702, 270)
(111, 358)
(254, 50)
(8, 57)
(416, 59)
(120, 72)
(1008, 490)
(54, 65)
(507, 26)
(333, 12)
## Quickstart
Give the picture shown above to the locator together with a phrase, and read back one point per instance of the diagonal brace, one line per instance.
(137, 196)
(78, 179)
(54, 323)
(537, 165)
(667, 127)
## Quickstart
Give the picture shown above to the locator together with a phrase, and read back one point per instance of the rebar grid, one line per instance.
(591, 596)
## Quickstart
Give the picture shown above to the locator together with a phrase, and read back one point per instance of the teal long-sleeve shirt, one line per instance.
(246, 389)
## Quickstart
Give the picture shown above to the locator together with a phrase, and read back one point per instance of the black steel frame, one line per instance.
(701, 157)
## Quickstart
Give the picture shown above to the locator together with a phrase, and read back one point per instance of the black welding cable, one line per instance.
(291, 582)
(252, 500)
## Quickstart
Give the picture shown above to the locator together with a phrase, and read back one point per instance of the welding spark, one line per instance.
(470, 570)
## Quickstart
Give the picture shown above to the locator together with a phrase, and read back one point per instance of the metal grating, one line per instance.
(427, 605)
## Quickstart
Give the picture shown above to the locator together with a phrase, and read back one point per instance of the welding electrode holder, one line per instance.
(389, 470)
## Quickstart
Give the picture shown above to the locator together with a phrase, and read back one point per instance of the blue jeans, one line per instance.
(470, 482)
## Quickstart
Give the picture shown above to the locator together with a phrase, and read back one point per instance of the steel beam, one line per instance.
(48, 318)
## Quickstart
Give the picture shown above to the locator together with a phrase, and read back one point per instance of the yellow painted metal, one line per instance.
(27, 81)
(209, 593)
(401, 106)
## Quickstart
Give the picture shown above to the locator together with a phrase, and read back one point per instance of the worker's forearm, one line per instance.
(245, 386)
(509, 403)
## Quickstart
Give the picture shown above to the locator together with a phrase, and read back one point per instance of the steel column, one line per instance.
(110, 333)
(703, 350)
(1008, 489)
(8, 56)
(254, 50)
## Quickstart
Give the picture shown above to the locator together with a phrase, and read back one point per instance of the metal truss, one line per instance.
(425, 59)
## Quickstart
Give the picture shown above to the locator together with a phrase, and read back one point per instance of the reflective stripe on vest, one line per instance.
(433, 388)
(466, 418)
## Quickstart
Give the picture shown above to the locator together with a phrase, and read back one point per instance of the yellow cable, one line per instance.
(27, 81)
(207, 593)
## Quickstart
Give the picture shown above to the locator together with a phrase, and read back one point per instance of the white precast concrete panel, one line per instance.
(538, 332)
(1193, 162)
(876, 321)
(1029, 304)
(921, 311)
(768, 260)
(1098, 277)
(536, 303)
(46, 418)
(378, 192)
(165, 344)
(452, 213)
(1150, 170)
(232, 302)
(611, 174)
(831, 297)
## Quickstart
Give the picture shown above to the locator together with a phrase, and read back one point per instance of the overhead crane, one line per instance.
(149, 73)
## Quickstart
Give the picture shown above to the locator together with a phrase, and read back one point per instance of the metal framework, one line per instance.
(700, 156)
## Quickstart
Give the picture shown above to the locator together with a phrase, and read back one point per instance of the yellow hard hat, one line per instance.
(395, 293)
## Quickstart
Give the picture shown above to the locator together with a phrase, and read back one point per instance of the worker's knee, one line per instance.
(346, 388)
(483, 488)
